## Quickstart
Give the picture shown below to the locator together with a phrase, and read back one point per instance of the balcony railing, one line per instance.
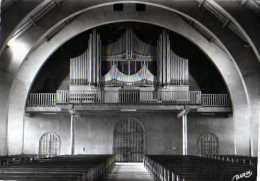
(126, 97)
(42, 100)
(215, 100)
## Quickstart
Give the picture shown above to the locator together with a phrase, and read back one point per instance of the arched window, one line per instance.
(49, 145)
(208, 144)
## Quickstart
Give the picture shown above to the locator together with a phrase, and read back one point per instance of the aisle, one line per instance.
(129, 172)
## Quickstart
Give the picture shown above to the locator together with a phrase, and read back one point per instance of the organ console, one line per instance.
(130, 51)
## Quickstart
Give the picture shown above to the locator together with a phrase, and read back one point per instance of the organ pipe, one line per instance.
(129, 47)
(172, 69)
(85, 69)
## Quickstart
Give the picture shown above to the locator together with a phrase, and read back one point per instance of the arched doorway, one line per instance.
(208, 144)
(49, 145)
(128, 141)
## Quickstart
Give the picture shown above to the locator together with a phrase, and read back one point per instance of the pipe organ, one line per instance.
(86, 68)
(172, 69)
(129, 47)
(142, 76)
(126, 53)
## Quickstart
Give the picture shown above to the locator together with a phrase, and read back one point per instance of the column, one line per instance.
(184, 135)
(183, 115)
(73, 117)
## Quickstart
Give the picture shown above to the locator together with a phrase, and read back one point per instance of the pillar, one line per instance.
(184, 135)
(73, 117)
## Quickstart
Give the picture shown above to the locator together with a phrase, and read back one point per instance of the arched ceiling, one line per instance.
(214, 6)
(33, 21)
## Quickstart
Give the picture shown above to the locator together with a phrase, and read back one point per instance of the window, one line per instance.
(140, 7)
(208, 144)
(118, 7)
(49, 145)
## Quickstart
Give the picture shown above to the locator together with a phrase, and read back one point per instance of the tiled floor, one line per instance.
(129, 172)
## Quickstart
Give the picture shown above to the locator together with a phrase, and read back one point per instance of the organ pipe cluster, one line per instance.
(143, 75)
(129, 46)
(86, 68)
(171, 69)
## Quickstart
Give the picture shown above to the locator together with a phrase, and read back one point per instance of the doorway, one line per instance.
(128, 141)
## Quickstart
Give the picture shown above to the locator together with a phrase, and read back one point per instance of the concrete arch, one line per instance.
(103, 15)
(165, 4)
(241, 29)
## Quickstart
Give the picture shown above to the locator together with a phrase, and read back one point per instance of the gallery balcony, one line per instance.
(127, 100)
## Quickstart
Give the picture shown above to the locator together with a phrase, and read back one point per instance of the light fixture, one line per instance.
(18, 48)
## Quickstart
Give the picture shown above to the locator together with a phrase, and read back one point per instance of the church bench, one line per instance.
(89, 167)
(192, 168)
(246, 160)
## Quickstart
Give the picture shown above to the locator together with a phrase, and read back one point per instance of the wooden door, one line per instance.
(128, 141)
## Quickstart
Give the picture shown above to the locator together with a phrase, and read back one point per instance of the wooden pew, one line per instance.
(246, 160)
(193, 168)
(83, 167)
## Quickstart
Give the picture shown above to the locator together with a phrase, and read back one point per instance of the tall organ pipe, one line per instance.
(172, 69)
(85, 69)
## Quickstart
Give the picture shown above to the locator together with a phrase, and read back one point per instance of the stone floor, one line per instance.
(129, 172)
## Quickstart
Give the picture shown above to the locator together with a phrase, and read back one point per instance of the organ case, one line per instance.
(170, 82)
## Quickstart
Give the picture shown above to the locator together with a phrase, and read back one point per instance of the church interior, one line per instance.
(129, 90)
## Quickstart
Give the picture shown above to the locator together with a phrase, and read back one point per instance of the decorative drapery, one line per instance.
(143, 74)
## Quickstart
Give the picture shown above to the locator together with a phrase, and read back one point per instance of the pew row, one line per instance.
(61, 168)
(194, 168)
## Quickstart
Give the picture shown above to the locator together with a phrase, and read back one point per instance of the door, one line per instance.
(128, 141)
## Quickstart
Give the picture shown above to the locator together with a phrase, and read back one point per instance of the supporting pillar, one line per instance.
(73, 117)
(183, 114)
(184, 135)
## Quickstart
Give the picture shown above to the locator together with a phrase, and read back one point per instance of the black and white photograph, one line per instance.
(129, 90)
